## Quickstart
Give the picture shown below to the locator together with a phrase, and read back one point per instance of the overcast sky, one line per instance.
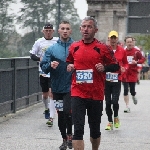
(82, 7)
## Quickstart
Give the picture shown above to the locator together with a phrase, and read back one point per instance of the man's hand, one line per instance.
(99, 67)
(134, 62)
(54, 64)
(123, 69)
(70, 67)
(41, 59)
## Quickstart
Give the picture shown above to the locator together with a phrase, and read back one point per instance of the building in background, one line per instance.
(124, 16)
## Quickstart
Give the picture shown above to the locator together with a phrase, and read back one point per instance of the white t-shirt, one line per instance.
(40, 47)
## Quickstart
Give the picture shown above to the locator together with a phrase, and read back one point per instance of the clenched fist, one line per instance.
(54, 64)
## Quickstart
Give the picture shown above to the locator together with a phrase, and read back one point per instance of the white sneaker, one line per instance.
(127, 110)
(134, 100)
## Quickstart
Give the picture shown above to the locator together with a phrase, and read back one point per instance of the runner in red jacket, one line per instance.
(113, 82)
(90, 59)
(134, 57)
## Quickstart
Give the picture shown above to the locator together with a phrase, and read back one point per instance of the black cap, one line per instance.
(48, 26)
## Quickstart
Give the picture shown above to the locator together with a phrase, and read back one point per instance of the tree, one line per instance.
(144, 41)
(6, 24)
(34, 14)
(25, 44)
(69, 12)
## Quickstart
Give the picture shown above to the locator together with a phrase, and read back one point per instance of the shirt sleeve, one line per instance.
(124, 60)
(111, 63)
(35, 48)
(46, 61)
(140, 59)
(109, 57)
(70, 58)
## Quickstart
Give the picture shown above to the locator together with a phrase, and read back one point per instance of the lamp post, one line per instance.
(59, 14)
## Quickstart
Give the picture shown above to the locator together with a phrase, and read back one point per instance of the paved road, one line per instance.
(26, 130)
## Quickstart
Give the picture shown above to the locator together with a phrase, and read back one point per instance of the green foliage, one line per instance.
(6, 27)
(6, 53)
(144, 41)
(26, 43)
(36, 13)
(69, 13)
(32, 16)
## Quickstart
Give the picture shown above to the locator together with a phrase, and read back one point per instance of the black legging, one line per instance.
(109, 111)
(132, 88)
(112, 93)
(65, 116)
(64, 123)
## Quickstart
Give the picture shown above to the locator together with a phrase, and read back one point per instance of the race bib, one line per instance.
(84, 76)
(139, 65)
(59, 105)
(112, 77)
(129, 59)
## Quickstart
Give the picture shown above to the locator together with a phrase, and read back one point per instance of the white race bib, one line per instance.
(129, 59)
(112, 77)
(84, 76)
(59, 105)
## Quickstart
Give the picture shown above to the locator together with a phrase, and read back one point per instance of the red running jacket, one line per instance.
(131, 73)
(86, 56)
(121, 56)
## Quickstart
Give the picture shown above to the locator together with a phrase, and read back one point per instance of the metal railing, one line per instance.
(19, 84)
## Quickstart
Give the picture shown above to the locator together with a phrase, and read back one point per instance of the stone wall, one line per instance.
(111, 15)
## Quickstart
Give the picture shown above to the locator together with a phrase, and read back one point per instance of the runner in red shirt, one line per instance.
(113, 82)
(89, 59)
(134, 57)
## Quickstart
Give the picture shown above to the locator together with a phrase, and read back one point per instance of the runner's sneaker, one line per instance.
(138, 82)
(69, 141)
(50, 122)
(47, 114)
(116, 122)
(63, 146)
(134, 100)
(109, 126)
(127, 110)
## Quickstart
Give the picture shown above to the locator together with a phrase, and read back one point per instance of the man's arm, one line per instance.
(34, 57)
(110, 62)
(34, 52)
(45, 64)
(108, 68)
(112, 65)
(112, 68)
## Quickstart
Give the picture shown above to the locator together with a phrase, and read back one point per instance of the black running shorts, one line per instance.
(94, 111)
(45, 83)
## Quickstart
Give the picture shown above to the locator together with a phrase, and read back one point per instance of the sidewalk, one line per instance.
(27, 129)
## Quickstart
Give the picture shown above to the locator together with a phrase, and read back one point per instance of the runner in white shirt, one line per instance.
(37, 53)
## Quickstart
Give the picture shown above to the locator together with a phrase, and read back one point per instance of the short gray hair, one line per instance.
(91, 18)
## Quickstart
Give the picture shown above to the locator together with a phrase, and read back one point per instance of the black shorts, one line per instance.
(66, 97)
(45, 83)
(94, 111)
(145, 69)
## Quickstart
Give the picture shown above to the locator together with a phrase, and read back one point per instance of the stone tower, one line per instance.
(111, 15)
